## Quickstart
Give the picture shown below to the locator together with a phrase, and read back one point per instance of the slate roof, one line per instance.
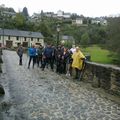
(66, 37)
(9, 32)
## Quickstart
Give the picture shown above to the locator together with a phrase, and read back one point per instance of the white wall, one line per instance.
(21, 40)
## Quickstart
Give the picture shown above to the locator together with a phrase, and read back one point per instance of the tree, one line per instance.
(46, 31)
(19, 21)
(113, 42)
(97, 34)
(74, 16)
(11, 10)
(85, 39)
(114, 34)
(25, 12)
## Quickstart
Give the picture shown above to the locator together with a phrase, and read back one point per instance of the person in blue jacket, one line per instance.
(32, 55)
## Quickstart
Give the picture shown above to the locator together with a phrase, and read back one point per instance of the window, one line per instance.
(24, 38)
(31, 39)
(8, 37)
(38, 39)
(17, 38)
(0, 37)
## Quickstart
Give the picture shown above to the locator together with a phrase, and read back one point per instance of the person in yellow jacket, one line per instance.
(77, 63)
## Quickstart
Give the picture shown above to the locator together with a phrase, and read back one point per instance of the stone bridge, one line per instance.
(32, 94)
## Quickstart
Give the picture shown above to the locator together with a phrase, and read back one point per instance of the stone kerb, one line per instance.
(103, 76)
(0, 59)
(1, 55)
(2, 92)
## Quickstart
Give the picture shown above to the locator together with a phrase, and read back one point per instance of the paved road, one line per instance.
(32, 94)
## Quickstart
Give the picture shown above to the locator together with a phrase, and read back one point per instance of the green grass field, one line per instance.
(98, 54)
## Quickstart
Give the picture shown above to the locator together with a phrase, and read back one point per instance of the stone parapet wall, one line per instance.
(103, 76)
(0, 59)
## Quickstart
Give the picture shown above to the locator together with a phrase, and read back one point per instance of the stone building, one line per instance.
(77, 21)
(12, 38)
(67, 39)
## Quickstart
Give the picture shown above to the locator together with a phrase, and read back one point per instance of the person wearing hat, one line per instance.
(77, 63)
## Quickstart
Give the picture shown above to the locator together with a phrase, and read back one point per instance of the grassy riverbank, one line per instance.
(98, 54)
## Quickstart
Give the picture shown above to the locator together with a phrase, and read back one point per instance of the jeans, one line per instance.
(34, 61)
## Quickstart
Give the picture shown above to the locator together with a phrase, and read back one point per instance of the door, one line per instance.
(9, 44)
(25, 44)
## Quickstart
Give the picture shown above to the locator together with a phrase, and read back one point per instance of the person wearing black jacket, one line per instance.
(20, 53)
(48, 55)
(58, 57)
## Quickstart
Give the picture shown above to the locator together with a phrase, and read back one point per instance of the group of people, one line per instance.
(59, 59)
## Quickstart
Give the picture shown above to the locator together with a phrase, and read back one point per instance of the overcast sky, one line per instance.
(91, 8)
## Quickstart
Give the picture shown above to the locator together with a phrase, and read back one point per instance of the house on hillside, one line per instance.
(60, 14)
(9, 14)
(78, 21)
(100, 21)
(36, 17)
(67, 16)
(49, 14)
(12, 38)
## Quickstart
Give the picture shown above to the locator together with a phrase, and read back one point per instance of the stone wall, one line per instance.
(0, 59)
(103, 76)
(1, 87)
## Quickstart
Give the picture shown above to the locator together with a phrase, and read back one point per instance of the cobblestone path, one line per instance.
(33, 94)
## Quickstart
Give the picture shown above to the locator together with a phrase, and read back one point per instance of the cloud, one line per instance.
(86, 7)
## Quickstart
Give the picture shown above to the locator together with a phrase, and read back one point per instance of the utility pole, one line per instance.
(29, 38)
(2, 20)
(58, 34)
(3, 32)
